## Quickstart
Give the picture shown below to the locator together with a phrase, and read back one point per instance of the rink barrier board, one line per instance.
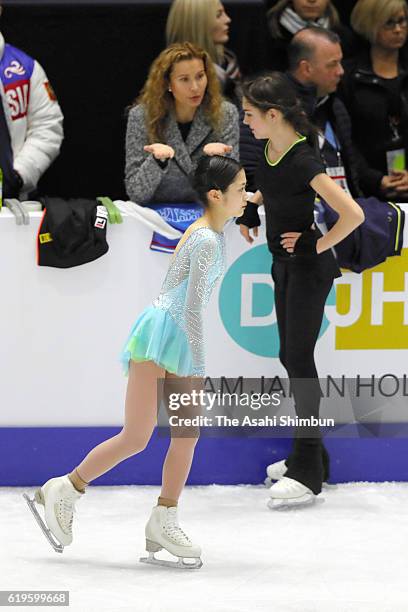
(56, 410)
(84, 386)
(30, 456)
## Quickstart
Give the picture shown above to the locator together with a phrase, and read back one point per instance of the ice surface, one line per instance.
(347, 554)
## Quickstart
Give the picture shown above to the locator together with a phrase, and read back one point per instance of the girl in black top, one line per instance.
(303, 267)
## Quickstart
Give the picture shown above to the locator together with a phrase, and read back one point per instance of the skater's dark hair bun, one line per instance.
(214, 172)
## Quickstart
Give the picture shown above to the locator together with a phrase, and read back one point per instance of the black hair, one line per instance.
(273, 90)
(214, 172)
(300, 49)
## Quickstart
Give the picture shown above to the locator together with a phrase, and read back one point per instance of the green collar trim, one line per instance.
(275, 163)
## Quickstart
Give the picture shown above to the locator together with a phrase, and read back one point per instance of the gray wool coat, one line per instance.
(146, 181)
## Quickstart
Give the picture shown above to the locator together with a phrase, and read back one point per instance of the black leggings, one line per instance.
(300, 297)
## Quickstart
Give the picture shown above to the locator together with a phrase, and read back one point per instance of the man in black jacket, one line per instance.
(315, 58)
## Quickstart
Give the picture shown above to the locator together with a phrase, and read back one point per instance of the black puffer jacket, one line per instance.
(368, 102)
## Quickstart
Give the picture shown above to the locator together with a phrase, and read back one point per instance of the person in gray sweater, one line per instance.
(179, 116)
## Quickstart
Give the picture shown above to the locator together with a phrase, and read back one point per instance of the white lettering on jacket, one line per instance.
(17, 95)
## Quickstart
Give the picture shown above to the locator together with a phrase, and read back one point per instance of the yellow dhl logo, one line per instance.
(372, 307)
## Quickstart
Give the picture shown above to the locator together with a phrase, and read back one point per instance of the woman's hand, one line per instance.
(401, 184)
(289, 240)
(249, 219)
(217, 148)
(245, 232)
(388, 185)
(160, 151)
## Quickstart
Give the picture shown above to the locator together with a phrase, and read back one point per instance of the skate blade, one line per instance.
(59, 548)
(294, 503)
(180, 564)
(268, 482)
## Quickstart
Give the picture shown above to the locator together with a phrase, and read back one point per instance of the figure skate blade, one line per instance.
(59, 548)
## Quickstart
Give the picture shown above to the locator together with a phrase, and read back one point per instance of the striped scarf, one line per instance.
(229, 69)
(292, 22)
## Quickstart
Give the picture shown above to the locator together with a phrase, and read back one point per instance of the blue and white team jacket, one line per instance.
(33, 115)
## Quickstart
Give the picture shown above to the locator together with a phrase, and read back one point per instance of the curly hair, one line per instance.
(158, 101)
(274, 13)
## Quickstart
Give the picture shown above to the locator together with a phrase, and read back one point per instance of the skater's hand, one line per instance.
(245, 231)
(217, 148)
(289, 240)
(160, 151)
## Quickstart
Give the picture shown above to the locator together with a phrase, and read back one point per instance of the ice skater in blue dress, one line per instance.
(166, 342)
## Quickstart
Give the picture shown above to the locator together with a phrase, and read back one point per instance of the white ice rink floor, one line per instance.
(348, 553)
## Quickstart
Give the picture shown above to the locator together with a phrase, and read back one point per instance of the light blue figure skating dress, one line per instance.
(170, 330)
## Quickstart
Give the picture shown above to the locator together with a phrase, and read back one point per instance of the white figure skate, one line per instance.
(276, 471)
(163, 531)
(58, 496)
(289, 493)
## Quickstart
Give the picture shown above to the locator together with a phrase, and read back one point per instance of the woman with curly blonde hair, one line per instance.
(287, 17)
(205, 23)
(179, 116)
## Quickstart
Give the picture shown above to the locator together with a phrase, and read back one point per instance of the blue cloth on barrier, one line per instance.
(180, 216)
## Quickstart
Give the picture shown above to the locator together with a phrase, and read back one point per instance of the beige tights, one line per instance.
(140, 419)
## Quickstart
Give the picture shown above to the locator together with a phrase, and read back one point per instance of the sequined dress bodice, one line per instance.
(192, 275)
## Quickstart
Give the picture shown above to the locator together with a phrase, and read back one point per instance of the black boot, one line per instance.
(305, 463)
(326, 462)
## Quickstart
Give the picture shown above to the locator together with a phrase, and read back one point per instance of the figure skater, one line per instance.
(288, 176)
(166, 342)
